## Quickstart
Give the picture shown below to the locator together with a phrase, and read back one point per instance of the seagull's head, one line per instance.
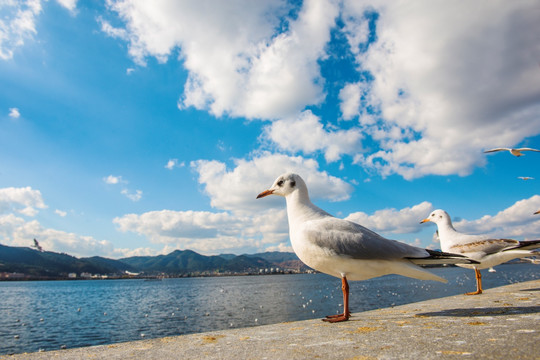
(285, 185)
(438, 217)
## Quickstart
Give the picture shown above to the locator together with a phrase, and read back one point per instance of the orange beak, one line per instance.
(423, 221)
(538, 212)
(265, 193)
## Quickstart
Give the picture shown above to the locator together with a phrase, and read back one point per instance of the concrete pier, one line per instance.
(502, 323)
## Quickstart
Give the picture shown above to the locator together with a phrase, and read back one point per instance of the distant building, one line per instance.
(72, 275)
(13, 275)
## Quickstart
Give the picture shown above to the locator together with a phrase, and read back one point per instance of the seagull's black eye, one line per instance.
(280, 183)
(293, 183)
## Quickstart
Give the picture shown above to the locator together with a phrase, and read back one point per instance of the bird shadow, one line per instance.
(487, 311)
(535, 289)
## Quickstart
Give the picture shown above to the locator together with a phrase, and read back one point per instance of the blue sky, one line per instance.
(137, 128)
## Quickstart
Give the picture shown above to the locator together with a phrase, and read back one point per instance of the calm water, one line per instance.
(50, 314)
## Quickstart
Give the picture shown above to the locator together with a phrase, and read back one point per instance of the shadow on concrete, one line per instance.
(536, 289)
(488, 311)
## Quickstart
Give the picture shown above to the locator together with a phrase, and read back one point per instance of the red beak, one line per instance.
(265, 193)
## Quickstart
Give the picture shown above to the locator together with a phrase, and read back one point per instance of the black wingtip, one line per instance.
(441, 255)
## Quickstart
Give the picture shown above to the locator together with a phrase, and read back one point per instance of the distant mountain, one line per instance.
(50, 264)
(187, 261)
(275, 256)
(47, 264)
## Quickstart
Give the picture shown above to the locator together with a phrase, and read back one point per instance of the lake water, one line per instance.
(49, 315)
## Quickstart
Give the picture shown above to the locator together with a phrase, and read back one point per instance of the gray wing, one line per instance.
(487, 246)
(352, 240)
(496, 149)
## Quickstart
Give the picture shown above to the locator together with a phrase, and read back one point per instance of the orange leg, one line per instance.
(478, 283)
(346, 314)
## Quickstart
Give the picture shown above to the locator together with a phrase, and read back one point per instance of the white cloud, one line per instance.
(60, 213)
(136, 196)
(236, 189)
(454, 83)
(18, 23)
(71, 5)
(172, 163)
(515, 221)
(238, 64)
(113, 180)
(25, 201)
(205, 232)
(14, 113)
(307, 134)
(15, 231)
(404, 221)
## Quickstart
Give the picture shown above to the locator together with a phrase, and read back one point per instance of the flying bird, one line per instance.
(487, 251)
(345, 249)
(525, 178)
(37, 246)
(515, 152)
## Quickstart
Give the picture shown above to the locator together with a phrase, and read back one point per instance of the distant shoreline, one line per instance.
(151, 278)
(26, 277)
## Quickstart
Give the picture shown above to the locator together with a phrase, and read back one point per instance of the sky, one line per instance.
(132, 128)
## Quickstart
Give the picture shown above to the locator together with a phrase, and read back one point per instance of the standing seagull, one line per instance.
(515, 152)
(487, 251)
(347, 250)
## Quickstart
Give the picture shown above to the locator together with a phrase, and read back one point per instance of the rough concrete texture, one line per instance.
(502, 323)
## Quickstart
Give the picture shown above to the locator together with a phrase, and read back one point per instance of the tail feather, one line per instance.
(440, 257)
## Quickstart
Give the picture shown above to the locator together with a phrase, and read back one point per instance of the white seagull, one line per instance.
(347, 250)
(487, 251)
(515, 152)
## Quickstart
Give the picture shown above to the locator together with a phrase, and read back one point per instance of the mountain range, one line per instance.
(47, 264)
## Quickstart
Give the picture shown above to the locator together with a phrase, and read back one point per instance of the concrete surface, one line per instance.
(502, 323)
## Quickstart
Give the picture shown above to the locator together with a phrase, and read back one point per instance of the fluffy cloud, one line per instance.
(172, 163)
(449, 81)
(307, 134)
(133, 196)
(25, 201)
(60, 213)
(238, 64)
(14, 113)
(207, 232)
(516, 221)
(68, 4)
(16, 231)
(112, 179)
(236, 189)
(404, 221)
(17, 24)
